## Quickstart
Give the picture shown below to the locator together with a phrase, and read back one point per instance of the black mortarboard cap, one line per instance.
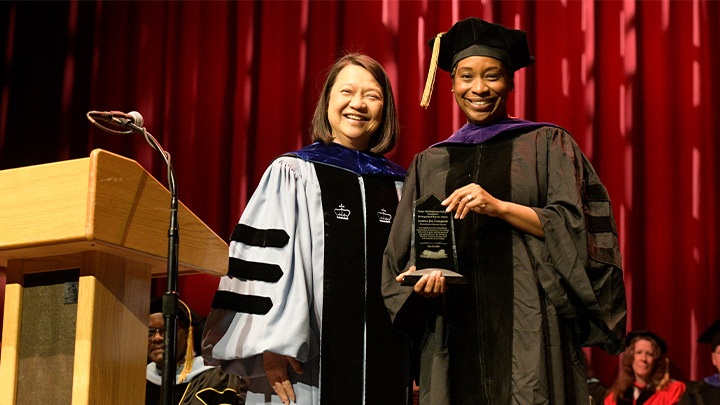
(182, 314)
(475, 37)
(156, 305)
(647, 334)
(190, 318)
(711, 335)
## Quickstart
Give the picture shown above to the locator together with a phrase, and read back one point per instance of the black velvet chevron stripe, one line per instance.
(250, 236)
(596, 192)
(255, 271)
(600, 224)
(248, 304)
(605, 255)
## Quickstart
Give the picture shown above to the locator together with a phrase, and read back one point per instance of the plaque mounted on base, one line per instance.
(433, 239)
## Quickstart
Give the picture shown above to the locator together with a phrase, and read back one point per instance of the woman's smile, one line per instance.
(355, 117)
(479, 103)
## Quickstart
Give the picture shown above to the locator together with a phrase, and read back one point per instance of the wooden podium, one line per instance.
(81, 240)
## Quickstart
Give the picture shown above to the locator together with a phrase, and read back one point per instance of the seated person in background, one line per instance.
(195, 382)
(644, 377)
(706, 391)
(596, 388)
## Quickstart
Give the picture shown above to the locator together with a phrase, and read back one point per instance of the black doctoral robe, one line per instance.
(204, 386)
(701, 393)
(513, 334)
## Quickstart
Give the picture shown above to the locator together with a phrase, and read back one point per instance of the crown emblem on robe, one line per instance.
(342, 213)
(384, 217)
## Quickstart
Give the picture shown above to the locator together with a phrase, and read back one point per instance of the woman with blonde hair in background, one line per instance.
(644, 377)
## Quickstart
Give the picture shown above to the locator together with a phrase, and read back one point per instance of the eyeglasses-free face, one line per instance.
(482, 87)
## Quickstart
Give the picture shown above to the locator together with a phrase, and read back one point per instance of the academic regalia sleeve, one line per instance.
(700, 393)
(267, 302)
(215, 387)
(403, 305)
(669, 395)
(397, 251)
(578, 262)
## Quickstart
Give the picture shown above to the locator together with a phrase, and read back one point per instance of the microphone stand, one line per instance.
(170, 298)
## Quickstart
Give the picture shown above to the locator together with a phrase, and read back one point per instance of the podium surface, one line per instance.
(104, 202)
(81, 240)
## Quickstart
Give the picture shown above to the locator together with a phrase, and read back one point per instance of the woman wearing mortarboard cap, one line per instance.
(536, 240)
(644, 376)
(707, 390)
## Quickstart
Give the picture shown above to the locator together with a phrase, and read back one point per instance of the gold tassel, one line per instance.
(427, 93)
(666, 376)
(189, 350)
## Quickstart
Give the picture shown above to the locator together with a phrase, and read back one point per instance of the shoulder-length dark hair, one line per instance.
(659, 373)
(384, 139)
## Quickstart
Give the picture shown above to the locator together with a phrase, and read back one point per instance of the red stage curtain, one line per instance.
(228, 86)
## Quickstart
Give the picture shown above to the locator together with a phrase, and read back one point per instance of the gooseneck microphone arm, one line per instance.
(133, 122)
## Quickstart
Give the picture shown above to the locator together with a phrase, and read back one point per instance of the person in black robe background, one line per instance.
(596, 388)
(195, 383)
(707, 390)
(536, 240)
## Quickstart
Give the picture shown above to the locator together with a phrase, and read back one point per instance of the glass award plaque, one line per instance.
(433, 239)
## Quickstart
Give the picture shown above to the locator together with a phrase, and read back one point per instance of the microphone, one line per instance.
(118, 118)
(132, 122)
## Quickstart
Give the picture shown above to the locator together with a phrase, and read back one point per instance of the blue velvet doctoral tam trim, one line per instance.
(477, 134)
(360, 163)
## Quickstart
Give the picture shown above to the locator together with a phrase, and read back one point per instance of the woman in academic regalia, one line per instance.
(300, 311)
(644, 378)
(536, 242)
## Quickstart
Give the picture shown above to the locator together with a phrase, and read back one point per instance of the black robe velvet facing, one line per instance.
(513, 334)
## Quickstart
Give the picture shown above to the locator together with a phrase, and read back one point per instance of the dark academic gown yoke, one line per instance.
(513, 334)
